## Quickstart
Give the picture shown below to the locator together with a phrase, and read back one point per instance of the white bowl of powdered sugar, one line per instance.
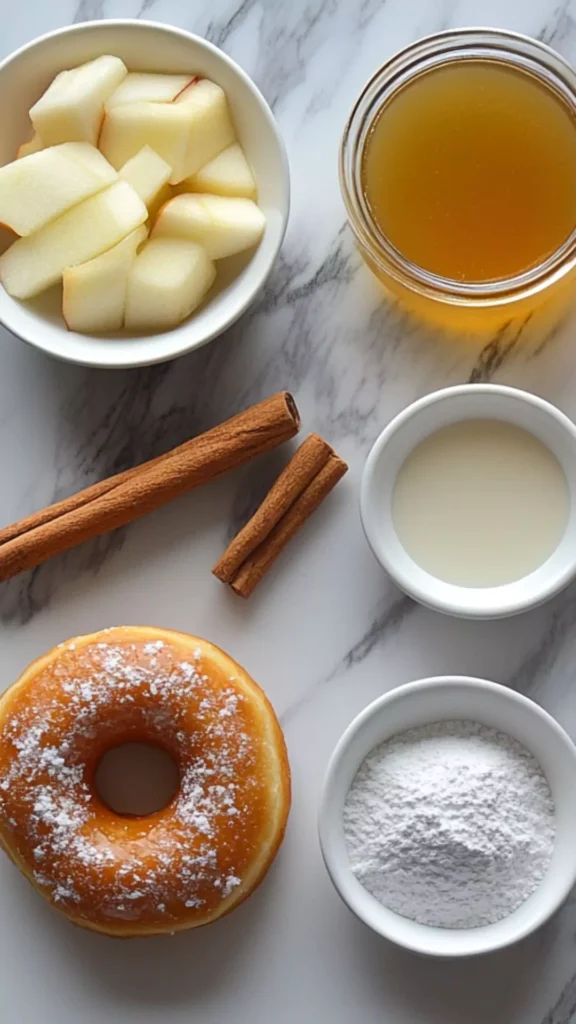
(448, 819)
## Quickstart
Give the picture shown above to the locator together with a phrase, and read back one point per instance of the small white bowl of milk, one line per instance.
(468, 500)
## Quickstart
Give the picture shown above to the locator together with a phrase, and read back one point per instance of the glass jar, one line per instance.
(547, 287)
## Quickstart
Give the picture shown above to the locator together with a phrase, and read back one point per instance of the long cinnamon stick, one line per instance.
(301, 487)
(306, 463)
(127, 496)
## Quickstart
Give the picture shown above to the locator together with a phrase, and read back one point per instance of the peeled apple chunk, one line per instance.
(72, 107)
(228, 174)
(38, 188)
(155, 88)
(162, 126)
(186, 133)
(168, 279)
(94, 293)
(34, 145)
(224, 226)
(148, 173)
(32, 264)
(211, 129)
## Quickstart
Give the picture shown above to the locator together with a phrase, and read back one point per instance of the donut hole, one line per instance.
(137, 779)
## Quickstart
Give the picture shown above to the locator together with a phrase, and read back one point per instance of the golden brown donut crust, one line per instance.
(183, 866)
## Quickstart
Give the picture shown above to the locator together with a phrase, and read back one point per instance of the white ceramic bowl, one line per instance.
(413, 425)
(145, 46)
(433, 700)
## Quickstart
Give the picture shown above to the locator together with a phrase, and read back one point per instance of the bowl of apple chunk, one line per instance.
(144, 193)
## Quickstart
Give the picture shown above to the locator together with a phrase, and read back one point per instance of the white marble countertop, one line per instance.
(327, 632)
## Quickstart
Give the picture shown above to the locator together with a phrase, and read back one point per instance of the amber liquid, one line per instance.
(470, 171)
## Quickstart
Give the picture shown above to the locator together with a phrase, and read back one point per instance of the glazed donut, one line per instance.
(183, 866)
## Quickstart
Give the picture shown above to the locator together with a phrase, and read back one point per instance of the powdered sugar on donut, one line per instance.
(91, 697)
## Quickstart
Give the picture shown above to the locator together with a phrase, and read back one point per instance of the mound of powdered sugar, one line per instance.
(450, 824)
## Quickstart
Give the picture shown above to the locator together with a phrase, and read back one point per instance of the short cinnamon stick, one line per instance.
(127, 496)
(306, 463)
(301, 487)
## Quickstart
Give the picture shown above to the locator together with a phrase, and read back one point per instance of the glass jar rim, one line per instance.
(512, 48)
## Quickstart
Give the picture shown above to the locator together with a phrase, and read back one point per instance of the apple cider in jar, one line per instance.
(459, 173)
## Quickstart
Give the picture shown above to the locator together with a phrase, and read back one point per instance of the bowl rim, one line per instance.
(459, 603)
(327, 807)
(38, 341)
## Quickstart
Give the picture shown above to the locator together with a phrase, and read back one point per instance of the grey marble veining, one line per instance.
(327, 632)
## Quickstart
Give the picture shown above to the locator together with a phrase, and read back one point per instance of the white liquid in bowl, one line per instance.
(480, 503)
